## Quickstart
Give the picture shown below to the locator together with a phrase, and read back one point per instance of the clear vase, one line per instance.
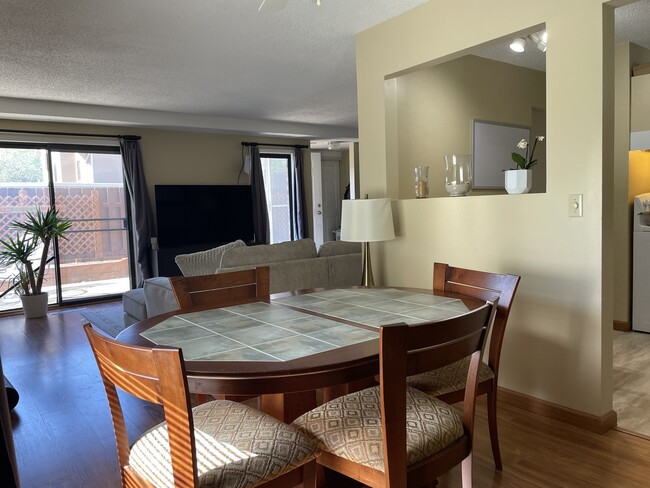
(458, 174)
(421, 181)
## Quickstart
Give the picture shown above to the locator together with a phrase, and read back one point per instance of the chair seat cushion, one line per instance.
(448, 378)
(350, 426)
(236, 446)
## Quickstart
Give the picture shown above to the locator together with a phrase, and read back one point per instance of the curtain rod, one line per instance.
(75, 134)
(297, 146)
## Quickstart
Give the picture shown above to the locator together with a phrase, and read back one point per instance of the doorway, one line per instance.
(86, 186)
(326, 189)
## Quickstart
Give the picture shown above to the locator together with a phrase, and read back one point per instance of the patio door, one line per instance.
(86, 185)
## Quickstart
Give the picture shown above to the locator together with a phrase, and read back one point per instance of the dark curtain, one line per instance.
(299, 228)
(260, 212)
(141, 213)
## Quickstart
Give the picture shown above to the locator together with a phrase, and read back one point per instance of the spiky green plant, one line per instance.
(38, 228)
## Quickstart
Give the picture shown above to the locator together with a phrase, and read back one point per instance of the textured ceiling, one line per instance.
(200, 64)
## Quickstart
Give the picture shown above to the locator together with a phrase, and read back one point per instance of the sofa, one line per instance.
(294, 265)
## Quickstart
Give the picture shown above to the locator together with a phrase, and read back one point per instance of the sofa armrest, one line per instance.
(159, 297)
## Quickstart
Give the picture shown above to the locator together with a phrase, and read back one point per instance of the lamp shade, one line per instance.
(367, 220)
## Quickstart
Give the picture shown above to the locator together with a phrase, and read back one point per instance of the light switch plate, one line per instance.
(575, 205)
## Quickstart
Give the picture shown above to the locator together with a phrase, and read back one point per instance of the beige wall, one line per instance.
(435, 107)
(178, 157)
(558, 346)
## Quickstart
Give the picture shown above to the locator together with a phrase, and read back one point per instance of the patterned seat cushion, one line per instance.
(448, 378)
(350, 426)
(236, 446)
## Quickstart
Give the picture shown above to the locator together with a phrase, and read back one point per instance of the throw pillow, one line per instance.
(204, 262)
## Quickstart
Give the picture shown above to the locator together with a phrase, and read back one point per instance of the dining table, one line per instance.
(286, 349)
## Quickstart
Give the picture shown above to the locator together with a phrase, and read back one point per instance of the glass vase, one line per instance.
(421, 181)
(458, 174)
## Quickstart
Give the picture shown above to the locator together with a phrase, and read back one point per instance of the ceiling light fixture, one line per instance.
(538, 38)
(333, 145)
(518, 45)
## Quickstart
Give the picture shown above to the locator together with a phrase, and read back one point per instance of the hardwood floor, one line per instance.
(64, 437)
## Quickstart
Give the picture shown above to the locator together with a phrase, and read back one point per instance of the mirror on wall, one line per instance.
(432, 109)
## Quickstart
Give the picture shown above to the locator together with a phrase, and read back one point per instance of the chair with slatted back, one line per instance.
(222, 289)
(448, 383)
(393, 435)
(216, 444)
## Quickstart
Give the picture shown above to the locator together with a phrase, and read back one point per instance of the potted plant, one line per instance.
(520, 179)
(38, 230)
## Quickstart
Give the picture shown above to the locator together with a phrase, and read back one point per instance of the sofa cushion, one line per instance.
(295, 274)
(344, 270)
(268, 253)
(159, 296)
(336, 248)
(204, 262)
(133, 303)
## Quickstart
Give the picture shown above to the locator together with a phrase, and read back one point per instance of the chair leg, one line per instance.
(467, 471)
(492, 423)
(309, 474)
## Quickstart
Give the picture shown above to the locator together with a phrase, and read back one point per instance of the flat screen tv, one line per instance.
(203, 214)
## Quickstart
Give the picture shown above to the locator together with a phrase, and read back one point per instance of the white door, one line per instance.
(326, 197)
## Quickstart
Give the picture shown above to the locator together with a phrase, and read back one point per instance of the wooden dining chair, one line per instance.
(395, 436)
(448, 383)
(216, 444)
(222, 289)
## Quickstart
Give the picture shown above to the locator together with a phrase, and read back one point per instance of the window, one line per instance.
(276, 171)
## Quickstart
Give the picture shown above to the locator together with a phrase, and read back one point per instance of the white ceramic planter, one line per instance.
(518, 180)
(34, 305)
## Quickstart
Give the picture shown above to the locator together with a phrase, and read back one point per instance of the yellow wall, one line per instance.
(558, 346)
(435, 107)
(178, 157)
(639, 172)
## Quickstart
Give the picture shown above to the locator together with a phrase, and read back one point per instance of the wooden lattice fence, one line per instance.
(81, 204)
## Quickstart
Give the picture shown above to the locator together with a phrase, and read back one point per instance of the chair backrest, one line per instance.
(485, 286)
(221, 289)
(407, 350)
(156, 375)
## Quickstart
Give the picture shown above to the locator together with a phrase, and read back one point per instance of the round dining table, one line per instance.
(322, 339)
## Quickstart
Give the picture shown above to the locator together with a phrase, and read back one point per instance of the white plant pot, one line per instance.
(518, 180)
(34, 306)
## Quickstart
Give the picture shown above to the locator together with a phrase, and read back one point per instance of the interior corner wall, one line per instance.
(436, 106)
(179, 157)
(556, 347)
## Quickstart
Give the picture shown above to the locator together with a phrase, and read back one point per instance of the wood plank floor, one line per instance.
(64, 438)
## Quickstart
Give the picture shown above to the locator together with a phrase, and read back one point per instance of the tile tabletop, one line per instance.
(284, 329)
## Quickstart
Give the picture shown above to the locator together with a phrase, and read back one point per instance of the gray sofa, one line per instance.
(294, 265)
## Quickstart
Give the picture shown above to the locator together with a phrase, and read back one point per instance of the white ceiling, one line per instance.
(200, 64)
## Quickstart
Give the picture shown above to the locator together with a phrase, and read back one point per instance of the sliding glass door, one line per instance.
(87, 186)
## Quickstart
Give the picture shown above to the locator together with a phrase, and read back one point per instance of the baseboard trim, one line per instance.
(622, 326)
(583, 420)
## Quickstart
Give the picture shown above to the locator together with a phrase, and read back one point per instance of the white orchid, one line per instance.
(526, 162)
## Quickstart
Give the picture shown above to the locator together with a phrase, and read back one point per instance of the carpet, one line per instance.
(108, 319)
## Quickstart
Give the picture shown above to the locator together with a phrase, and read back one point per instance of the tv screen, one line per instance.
(203, 214)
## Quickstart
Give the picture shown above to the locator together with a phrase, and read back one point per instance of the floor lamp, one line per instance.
(367, 221)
